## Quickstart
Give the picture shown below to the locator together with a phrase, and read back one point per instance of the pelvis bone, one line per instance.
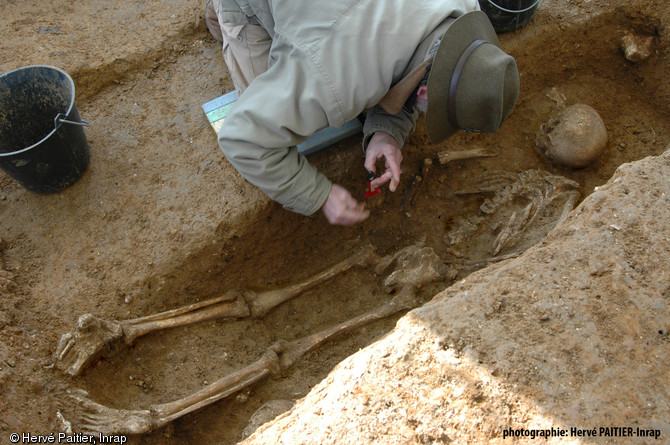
(519, 207)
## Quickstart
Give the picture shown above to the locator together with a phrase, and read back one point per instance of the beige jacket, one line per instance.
(329, 62)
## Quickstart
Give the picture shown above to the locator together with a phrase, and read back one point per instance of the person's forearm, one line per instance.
(398, 126)
(281, 173)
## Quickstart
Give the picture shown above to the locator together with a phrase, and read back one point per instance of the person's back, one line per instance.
(355, 49)
(330, 61)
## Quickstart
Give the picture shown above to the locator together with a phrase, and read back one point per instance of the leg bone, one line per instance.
(94, 335)
(261, 303)
(96, 418)
(451, 155)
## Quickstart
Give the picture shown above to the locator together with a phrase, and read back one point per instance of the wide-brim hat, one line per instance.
(473, 84)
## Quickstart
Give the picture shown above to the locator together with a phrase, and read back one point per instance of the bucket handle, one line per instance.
(518, 11)
(60, 119)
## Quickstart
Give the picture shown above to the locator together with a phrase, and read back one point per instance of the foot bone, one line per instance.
(91, 336)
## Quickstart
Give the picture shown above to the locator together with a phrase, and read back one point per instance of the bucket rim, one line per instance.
(56, 126)
(515, 11)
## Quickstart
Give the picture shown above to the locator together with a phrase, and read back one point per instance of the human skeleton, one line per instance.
(518, 198)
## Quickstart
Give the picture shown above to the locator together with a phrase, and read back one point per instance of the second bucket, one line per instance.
(508, 15)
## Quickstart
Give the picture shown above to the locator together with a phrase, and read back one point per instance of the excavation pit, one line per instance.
(162, 220)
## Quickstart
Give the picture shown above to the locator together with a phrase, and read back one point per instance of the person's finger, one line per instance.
(361, 214)
(394, 166)
(354, 207)
(383, 179)
(344, 209)
(370, 161)
(354, 215)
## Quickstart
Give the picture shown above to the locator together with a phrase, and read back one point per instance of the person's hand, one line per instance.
(342, 209)
(383, 146)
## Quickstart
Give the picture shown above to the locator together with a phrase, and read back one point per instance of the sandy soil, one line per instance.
(571, 338)
(160, 219)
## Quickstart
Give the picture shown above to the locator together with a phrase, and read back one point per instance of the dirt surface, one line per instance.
(160, 220)
(570, 336)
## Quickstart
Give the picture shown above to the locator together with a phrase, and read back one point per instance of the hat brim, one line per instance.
(460, 34)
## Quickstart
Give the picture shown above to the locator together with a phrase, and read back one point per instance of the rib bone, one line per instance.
(94, 336)
(542, 193)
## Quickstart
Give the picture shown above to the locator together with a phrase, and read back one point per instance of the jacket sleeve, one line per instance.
(399, 126)
(230, 11)
(280, 109)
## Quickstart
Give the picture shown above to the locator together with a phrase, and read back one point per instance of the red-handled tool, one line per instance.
(370, 193)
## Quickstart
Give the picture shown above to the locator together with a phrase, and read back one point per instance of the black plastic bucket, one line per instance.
(508, 15)
(42, 141)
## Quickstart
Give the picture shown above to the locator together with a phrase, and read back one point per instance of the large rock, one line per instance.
(572, 334)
